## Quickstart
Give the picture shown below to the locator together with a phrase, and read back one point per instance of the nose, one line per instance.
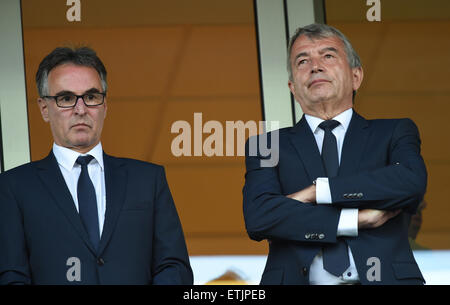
(316, 66)
(316, 69)
(80, 107)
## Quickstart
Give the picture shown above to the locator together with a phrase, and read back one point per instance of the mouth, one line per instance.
(81, 125)
(318, 81)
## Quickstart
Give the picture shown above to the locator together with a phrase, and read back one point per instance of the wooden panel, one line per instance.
(437, 212)
(208, 197)
(136, 66)
(132, 13)
(218, 60)
(434, 240)
(429, 112)
(228, 245)
(211, 109)
(413, 58)
(126, 125)
(393, 10)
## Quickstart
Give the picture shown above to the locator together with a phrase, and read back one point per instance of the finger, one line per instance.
(394, 213)
(384, 217)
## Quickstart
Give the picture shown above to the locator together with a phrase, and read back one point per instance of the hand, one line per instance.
(370, 219)
(307, 195)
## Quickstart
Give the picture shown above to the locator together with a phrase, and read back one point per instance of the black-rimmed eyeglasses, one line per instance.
(70, 100)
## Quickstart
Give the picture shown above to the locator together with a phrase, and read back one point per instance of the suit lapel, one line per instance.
(115, 182)
(354, 144)
(52, 178)
(305, 144)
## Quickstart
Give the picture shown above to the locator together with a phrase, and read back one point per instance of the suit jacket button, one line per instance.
(321, 236)
(345, 196)
(307, 235)
(360, 195)
(100, 261)
(305, 271)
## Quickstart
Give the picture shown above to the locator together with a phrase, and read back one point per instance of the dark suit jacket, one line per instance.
(381, 168)
(40, 229)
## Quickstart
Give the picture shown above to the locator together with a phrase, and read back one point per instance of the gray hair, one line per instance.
(82, 56)
(317, 30)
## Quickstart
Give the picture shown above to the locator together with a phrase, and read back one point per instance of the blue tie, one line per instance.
(335, 256)
(87, 201)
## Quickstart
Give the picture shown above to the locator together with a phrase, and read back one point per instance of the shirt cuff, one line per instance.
(323, 192)
(348, 223)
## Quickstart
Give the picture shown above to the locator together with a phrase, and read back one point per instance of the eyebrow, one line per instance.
(66, 92)
(324, 50)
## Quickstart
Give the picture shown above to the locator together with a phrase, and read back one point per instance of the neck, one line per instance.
(326, 111)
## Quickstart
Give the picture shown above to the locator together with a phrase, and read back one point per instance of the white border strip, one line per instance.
(272, 23)
(13, 101)
(272, 55)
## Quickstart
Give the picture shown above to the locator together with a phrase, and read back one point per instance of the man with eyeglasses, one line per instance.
(80, 216)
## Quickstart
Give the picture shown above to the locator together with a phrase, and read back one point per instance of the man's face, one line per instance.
(77, 128)
(321, 73)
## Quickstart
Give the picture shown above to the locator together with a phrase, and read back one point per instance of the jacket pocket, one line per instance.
(272, 277)
(407, 270)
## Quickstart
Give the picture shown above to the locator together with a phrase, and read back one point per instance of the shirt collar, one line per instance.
(344, 118)
(66, 157)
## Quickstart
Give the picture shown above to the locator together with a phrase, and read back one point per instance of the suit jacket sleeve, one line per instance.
(269, 214)
(170, 263)
(14, 268)
(399, 185)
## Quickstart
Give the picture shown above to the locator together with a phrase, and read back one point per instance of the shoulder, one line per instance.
(390, 122)
(133, 164)
(20, 177)
(281, 133)
(21, 170)
(394, 125)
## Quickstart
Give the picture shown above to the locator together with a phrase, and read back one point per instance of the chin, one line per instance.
(319, 98)
(81, 143)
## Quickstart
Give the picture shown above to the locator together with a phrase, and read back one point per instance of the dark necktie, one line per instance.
(335, 256)
(87, 201)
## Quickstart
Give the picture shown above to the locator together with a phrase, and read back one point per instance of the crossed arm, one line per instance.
(367, 218)
(398, 186)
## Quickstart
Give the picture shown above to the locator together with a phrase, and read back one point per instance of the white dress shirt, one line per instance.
(71, 172)
(348, 220)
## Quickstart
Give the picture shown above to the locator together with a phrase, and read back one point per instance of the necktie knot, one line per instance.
(329, 124)
(84, 160)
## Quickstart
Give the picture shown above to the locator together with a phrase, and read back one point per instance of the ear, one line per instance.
(43, 107)
(291, 86)
(358, 75)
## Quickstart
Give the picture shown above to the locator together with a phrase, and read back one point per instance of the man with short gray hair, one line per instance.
(80, 216)
(336, 207)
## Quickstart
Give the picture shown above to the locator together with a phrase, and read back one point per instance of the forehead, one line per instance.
(73, 78)
(309, 45)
